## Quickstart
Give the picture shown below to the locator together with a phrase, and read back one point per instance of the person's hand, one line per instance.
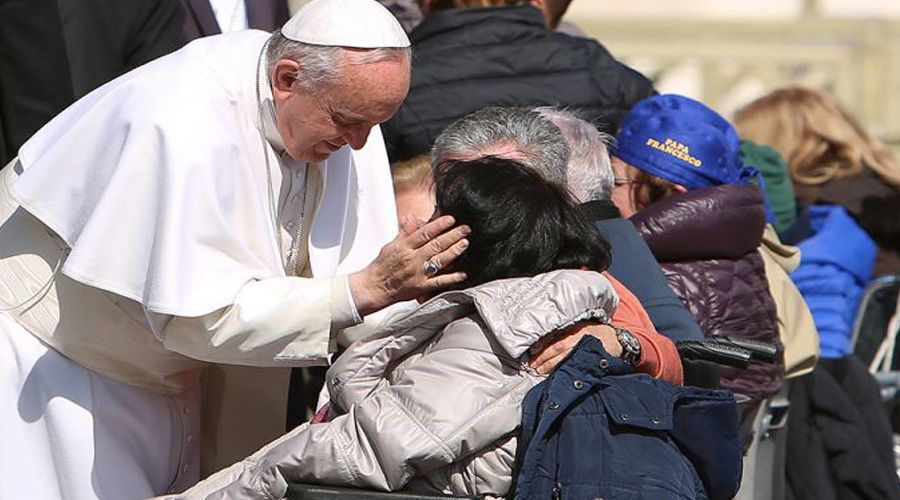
(552, 349)
(399, 272)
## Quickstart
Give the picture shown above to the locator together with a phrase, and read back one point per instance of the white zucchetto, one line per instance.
(362, 24)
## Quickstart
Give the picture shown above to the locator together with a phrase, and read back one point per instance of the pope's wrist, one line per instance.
(363, 294)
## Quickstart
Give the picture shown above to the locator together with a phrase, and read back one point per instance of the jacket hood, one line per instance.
(520, 311)
(721, 222)
(839, 241)
(786, 256)
(777, 181)
(517, 312)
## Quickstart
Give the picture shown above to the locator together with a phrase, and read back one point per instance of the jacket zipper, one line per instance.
(556, 493)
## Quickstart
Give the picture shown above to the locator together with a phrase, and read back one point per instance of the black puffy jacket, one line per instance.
(839, 444)
(706, 242)
(468, 59)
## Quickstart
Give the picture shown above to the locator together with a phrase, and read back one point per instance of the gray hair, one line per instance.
(323, 64)
(478, 134)
(589, 174)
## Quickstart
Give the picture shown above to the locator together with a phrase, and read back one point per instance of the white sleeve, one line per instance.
(375, 322)
(274, 322)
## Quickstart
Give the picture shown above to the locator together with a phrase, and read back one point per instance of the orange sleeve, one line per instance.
(659, 357)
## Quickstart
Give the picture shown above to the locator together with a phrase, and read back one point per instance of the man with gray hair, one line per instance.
(514, 133)
(223, 204)
(538, 138)
(590, 179)
(589, 174)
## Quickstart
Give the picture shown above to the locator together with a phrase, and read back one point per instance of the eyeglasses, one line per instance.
(622, 181)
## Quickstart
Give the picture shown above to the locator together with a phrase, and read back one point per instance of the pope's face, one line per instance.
(314, 124)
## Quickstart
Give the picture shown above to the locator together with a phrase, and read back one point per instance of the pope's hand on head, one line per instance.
(400, 271)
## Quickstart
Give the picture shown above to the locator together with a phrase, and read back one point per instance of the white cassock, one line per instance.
(138, 242)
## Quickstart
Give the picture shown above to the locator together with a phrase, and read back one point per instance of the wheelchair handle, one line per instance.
(761, 352)
(714, 352)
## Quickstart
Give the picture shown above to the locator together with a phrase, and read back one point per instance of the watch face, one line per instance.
(630, 345)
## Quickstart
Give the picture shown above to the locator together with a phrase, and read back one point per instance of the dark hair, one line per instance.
(522, 224)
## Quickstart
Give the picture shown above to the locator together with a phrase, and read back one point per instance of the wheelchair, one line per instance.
(700, 359)
(874, 341)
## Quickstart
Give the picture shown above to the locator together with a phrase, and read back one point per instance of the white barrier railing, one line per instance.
(727, 64)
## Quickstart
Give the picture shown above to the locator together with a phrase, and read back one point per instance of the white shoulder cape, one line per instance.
(157, 183)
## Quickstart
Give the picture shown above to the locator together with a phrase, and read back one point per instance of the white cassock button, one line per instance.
(190, 438)
(187, 411)
(290, 225)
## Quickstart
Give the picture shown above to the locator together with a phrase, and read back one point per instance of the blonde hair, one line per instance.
(412, 173)
(820, 140)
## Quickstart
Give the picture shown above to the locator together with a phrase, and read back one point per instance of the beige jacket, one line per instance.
(795, 322)
(432, 403)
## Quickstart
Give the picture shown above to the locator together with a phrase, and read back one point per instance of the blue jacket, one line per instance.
(835, 266)
(593, 429)
(635, 266)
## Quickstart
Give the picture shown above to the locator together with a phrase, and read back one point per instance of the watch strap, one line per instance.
(631, 346)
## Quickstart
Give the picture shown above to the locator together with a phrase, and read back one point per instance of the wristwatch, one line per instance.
(631, 346)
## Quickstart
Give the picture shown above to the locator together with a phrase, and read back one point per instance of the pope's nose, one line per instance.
(357, 137)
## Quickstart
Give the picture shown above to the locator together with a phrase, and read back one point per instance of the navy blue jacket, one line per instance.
(635, 266)
(595, 430)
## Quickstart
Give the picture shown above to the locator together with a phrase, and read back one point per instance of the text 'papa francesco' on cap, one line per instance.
(362, 24)
(682, 141)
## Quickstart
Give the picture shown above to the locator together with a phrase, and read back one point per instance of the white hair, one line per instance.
(323, 64)
(589, 174)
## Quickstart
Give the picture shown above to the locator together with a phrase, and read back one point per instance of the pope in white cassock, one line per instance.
(228, 203)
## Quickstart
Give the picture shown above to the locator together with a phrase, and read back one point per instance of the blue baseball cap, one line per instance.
(682, 141)
(681, 104)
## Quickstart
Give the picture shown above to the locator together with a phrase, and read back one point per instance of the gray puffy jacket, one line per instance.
(431, 403)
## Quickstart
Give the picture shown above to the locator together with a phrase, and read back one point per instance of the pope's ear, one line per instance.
(284, 76)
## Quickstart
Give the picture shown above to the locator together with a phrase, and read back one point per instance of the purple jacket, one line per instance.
(706, 242)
